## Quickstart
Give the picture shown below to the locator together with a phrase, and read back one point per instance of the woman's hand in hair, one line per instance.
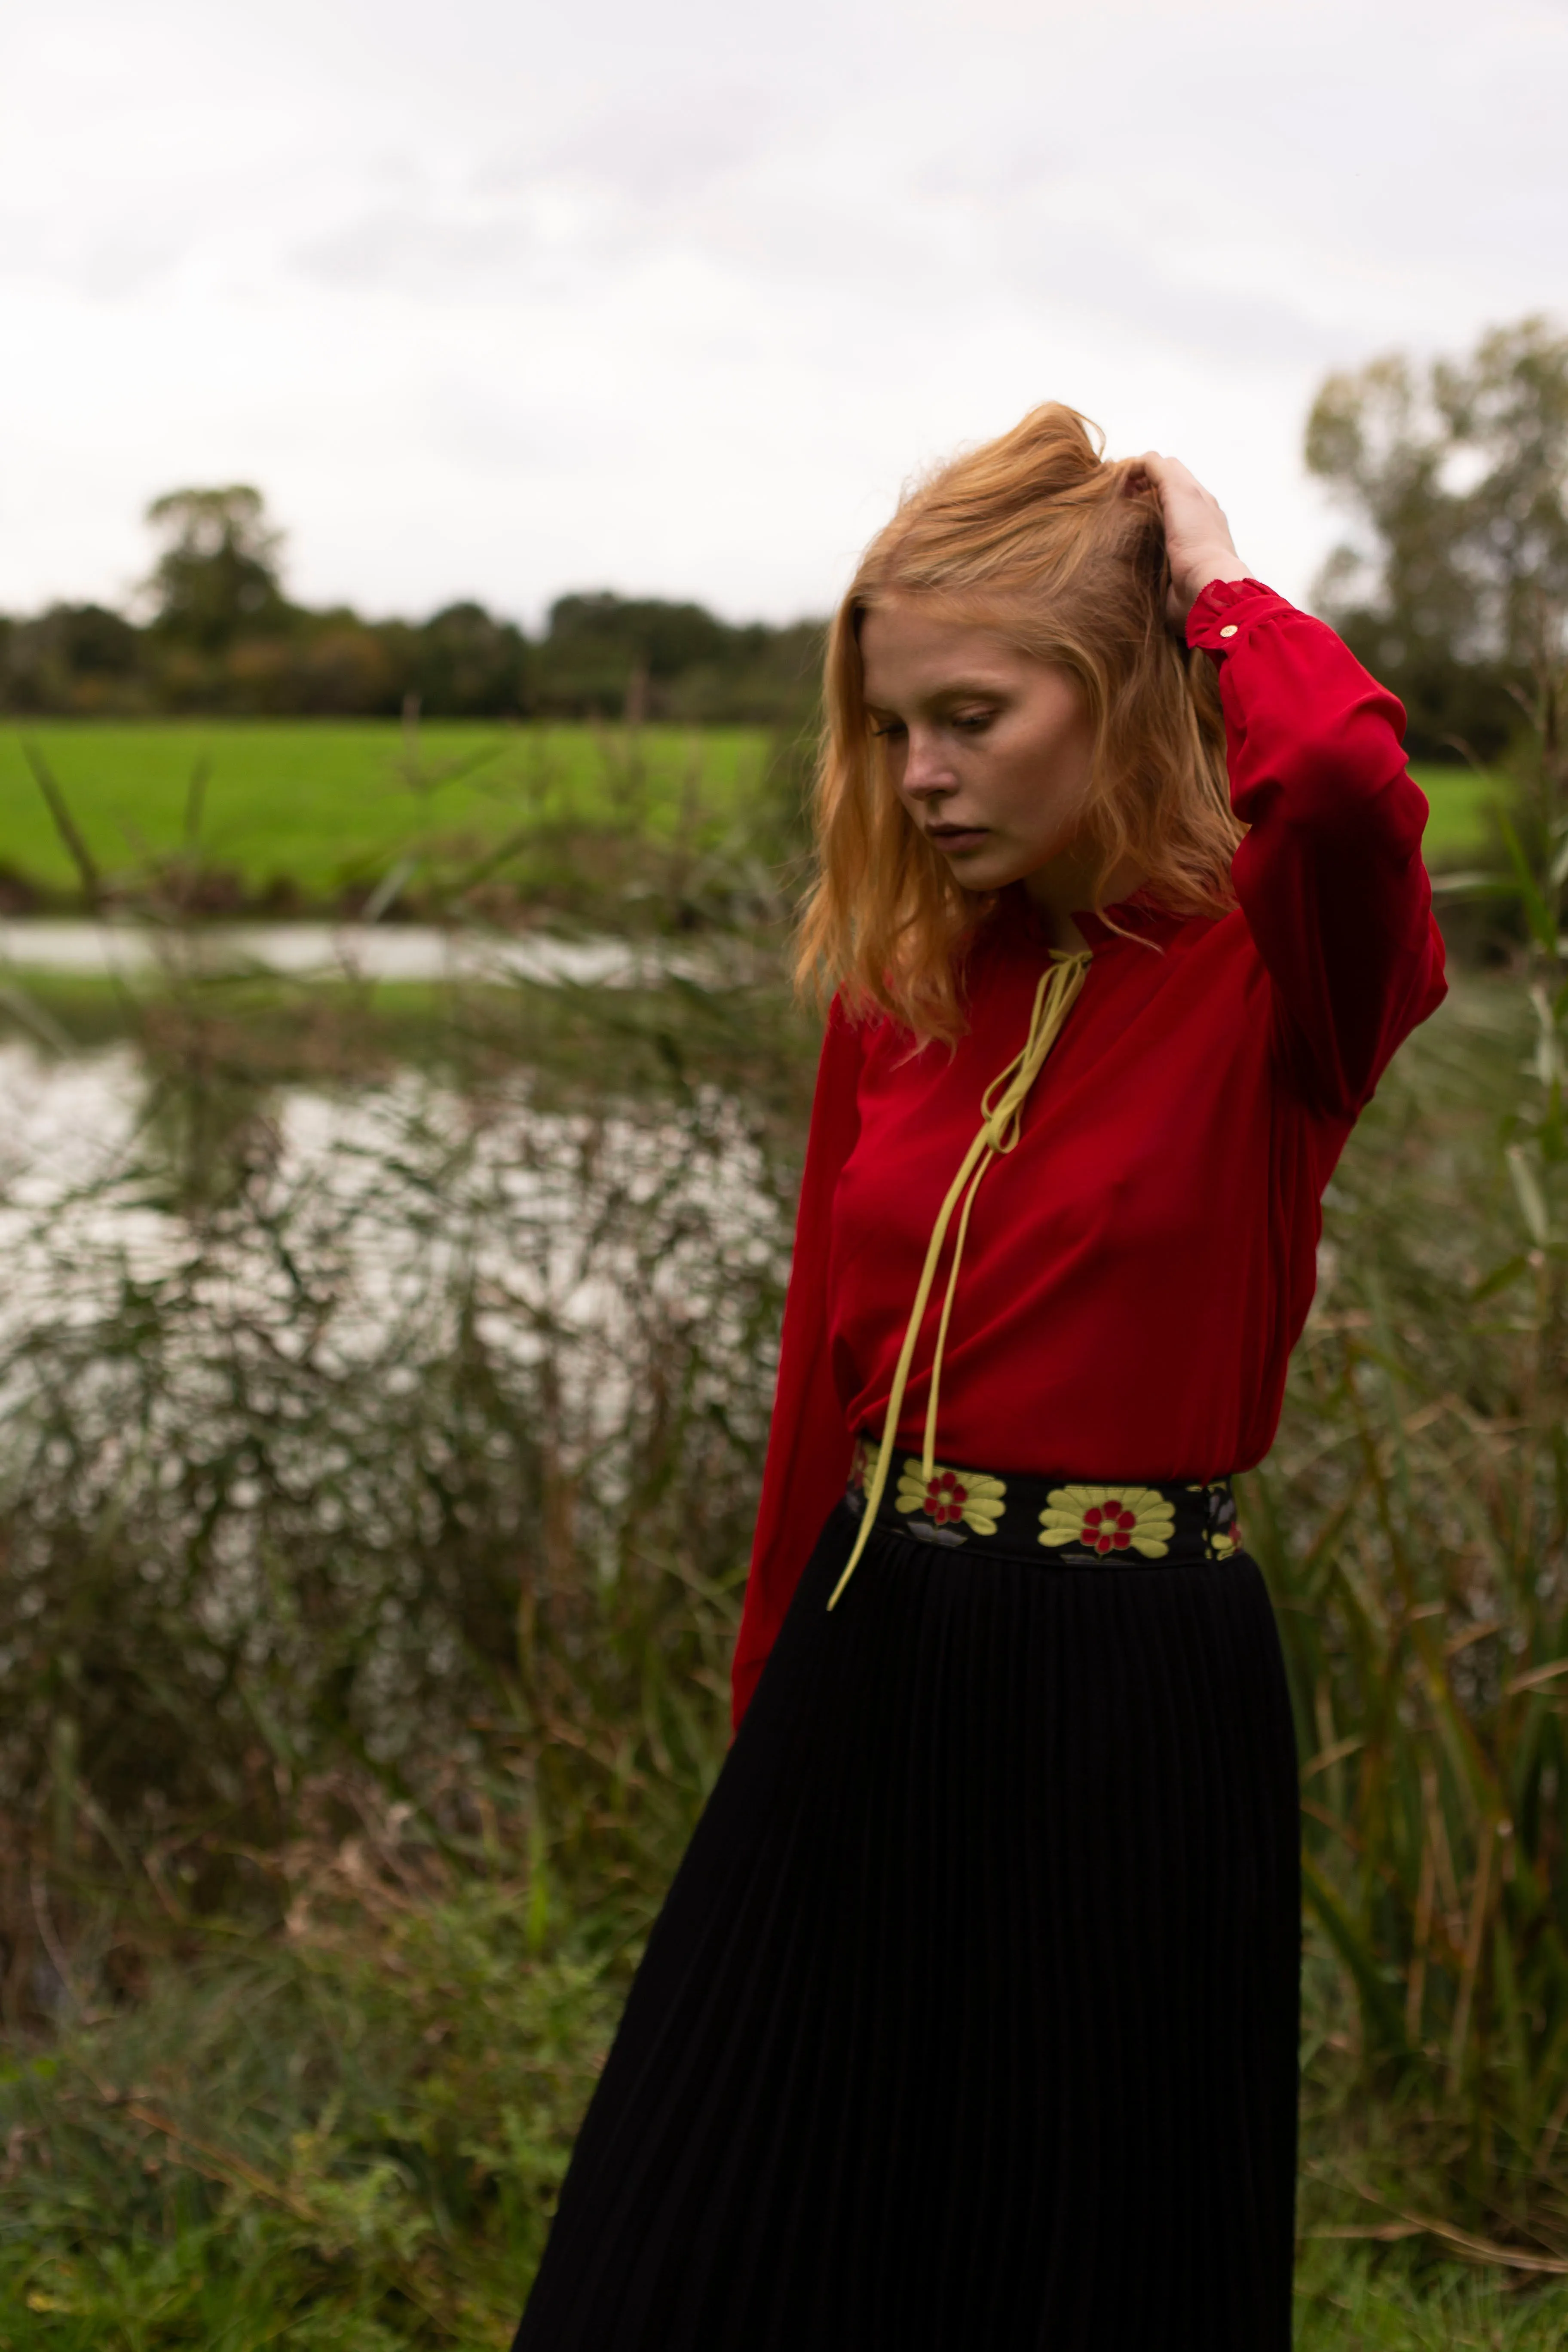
(1198, 544)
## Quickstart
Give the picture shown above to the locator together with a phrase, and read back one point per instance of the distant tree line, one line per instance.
(219, 634)
(1454, 586)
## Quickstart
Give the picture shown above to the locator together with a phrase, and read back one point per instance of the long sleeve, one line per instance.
(1329, 876)
(809, 1447)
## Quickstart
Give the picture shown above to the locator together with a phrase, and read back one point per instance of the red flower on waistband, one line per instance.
(1104, 1519)
(948, 1496)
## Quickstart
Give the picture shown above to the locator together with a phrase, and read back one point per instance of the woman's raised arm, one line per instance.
(1329, 876)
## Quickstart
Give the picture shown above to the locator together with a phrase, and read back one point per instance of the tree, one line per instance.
(79, 659)
(467, 664)
(1456, 588)
(218, 579)
(602, 651)
(216, 633)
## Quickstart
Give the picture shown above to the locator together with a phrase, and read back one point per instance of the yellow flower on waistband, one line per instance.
(950, 1494)
(863, 1467)
(1222, 1536)
(1108, 1519)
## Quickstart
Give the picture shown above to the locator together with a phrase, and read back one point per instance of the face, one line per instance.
(991, 752)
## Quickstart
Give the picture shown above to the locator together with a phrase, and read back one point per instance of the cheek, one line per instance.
(1044, 787)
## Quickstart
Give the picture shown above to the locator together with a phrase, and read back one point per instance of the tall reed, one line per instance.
(1415, 1521)
(411, 1430)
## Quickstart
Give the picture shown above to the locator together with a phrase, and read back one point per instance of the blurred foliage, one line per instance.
(222, 636)
(1390, 2302)
(75, 658)
(1414, 1519)
(610, 654)
(350, 2135)
(1455, 591)
(431, 1437)
(1412, 1522)
(217, 578)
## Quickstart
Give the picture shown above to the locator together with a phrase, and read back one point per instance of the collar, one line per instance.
(1140, 916)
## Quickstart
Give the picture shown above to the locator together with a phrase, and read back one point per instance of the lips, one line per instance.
(957, 836)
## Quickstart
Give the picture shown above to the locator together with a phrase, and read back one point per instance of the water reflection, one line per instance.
(411, 951)
(368, 1196)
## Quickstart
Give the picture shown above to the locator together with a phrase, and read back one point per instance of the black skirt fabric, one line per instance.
(970, 2022)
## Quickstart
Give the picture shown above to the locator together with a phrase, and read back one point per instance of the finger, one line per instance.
(1181, 478)
(1173, 481)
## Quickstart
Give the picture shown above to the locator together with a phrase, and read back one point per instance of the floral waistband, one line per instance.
(1048, 1520)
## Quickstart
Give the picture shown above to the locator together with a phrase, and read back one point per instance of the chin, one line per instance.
(984, 872)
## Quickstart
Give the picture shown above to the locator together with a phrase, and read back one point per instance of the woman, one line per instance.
(970, 2022)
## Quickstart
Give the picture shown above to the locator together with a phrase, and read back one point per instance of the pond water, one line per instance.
(304, 1362)
(383, 951)
(373, 1194)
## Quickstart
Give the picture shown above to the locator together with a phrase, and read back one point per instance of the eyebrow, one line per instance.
(951, 693)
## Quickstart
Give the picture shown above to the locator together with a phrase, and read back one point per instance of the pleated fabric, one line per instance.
(970, 2022)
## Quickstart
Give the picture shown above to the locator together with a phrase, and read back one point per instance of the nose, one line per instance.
(927, 773)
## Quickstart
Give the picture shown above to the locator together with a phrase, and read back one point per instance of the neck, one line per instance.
(1065, 886)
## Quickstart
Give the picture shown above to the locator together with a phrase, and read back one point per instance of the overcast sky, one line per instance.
(498, 299)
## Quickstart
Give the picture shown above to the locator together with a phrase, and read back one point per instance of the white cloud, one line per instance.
(499, 301)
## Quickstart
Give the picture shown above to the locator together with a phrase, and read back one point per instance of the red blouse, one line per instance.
(1139, 1268)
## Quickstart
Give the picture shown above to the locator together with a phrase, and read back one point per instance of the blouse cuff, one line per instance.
(1225, 611)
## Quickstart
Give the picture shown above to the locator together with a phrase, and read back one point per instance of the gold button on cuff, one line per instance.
(1229, 630)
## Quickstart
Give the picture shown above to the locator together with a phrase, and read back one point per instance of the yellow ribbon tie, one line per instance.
(1001, 1104)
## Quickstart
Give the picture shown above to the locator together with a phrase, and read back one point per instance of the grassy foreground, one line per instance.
(351, 2143)
(309, 811)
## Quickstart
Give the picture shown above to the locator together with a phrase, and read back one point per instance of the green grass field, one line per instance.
(324, 806)
(1455, 830)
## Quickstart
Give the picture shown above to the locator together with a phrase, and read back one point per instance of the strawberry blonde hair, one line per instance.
(1037, 537)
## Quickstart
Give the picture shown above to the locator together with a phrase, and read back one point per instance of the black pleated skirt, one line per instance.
(970, 2022)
